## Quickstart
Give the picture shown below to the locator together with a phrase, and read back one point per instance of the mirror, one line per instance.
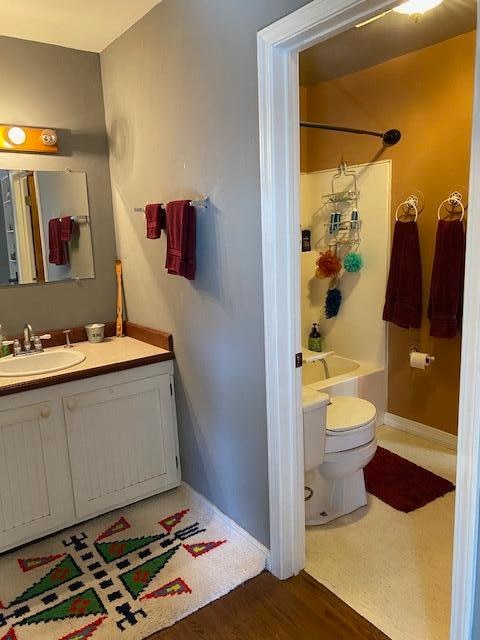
(45, 231)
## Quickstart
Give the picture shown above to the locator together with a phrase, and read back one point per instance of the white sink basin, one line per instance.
(39, 363)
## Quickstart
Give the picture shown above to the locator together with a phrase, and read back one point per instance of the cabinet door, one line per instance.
(122, 444)
(34, 483)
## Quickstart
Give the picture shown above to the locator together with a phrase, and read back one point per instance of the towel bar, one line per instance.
(199, 204)
(80, 219)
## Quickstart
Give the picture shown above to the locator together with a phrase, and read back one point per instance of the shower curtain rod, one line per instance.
(390, 137)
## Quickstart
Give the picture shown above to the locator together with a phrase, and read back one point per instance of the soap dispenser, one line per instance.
(315, 339)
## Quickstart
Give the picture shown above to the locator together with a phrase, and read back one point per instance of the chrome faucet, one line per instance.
(27, 337)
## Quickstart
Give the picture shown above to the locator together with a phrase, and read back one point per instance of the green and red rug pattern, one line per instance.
(114, 582)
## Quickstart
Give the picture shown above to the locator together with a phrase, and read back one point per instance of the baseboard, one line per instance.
(422, 430)
(262, 548)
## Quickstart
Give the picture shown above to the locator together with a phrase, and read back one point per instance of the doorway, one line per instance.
(279, 46)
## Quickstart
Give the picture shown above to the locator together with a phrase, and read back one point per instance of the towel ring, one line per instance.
(411, 205)
(457, 202)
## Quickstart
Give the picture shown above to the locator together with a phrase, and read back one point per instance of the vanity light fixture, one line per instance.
(27, 139)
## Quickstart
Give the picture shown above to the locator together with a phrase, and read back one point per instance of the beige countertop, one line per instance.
(113, 354)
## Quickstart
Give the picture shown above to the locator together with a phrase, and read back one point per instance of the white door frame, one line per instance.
(278, 48)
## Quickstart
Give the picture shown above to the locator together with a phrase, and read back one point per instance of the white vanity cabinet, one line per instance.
(79, 449)
(35, 493)
(122, 443)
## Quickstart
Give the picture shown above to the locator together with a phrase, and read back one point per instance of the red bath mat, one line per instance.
(401, 484)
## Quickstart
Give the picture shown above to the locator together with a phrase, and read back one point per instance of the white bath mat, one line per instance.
(124, 575)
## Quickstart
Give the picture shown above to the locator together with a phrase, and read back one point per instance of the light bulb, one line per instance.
(16, 135)
(49, 137)
(417, 7)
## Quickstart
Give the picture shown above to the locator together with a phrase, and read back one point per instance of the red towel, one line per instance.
(66, 229)
(57, 249)
(446, 290)
(181, 239)
(403, 299)
(155, 215)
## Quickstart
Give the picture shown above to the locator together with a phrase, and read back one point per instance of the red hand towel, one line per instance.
(403, 299)
(155, 215)
(181, 239)
(66, 228)
(446, 290)
(57, 250)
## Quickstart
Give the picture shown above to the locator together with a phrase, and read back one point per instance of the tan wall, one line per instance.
(304, 133)
(428, 95)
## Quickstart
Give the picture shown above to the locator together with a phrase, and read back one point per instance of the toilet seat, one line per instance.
(350, 424)
(346, 413)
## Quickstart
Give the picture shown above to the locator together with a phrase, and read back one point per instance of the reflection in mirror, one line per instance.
(44, 227)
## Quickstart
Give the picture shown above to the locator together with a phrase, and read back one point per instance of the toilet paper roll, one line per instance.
(420, 360)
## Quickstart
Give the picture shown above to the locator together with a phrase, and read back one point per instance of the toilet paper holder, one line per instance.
(429, 359)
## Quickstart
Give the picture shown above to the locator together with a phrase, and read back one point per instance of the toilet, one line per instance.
(339, 441)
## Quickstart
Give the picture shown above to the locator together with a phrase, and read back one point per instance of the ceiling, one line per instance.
(90, 25)
(386, 38)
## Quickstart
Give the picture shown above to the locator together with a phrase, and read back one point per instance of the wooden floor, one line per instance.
(266, 608)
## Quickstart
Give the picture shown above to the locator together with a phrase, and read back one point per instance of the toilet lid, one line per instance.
(346, 413)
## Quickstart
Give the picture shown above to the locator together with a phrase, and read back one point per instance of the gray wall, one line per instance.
(44, 85)
(180, 91)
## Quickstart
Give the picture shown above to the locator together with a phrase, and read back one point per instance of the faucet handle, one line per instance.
(37, 342)
(17, 347)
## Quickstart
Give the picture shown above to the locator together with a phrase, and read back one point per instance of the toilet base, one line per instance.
(332, 499)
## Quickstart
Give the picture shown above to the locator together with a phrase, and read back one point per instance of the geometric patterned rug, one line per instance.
(126, 574)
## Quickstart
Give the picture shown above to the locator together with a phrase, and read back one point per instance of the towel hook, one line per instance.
(411, 203)
(454, 200)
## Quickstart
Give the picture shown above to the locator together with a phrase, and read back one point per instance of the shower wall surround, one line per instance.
(432, 156)
(358, 332)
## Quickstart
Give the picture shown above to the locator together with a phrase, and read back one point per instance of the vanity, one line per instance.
(85, 440)
(92, 428)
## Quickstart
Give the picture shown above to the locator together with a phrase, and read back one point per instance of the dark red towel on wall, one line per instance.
(66, 228)
(446, 290)
(403, 299)
(155, 216)
(181, 239)
(57, 249)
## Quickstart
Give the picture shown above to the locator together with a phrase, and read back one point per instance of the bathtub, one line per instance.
(349, 378)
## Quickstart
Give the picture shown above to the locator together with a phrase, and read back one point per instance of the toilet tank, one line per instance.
(315, 405)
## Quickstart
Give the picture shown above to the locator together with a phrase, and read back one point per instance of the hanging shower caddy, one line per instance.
(345, 224)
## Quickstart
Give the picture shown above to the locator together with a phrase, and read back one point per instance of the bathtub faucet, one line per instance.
(325, 368)
(312, 356)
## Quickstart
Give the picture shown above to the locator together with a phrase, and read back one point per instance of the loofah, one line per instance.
(353, 262)
(328, 265)
(333, 302)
